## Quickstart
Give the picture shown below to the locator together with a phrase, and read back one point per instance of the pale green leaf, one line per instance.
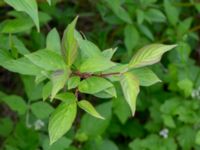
(59, 79)
(28, 6)
(61, 121)
(73, 82)
(66, 97)
(94, 85)
(107, 93)
(47, 59)
(87, 106)
(88, 49)
(149, 55)
(108, 53)
(53, 41)
(130, 88)
(69, 43)
(146, 76)
(96, 64)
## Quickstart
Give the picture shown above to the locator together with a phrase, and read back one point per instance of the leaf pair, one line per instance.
(63, 117)
(130, 81)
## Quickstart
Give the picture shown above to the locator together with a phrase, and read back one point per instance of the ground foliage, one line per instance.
(167, 113)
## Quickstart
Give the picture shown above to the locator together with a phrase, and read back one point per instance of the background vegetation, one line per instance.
(167, 116)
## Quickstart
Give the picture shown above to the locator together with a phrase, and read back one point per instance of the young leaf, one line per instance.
(27, 6)
(88, 49)
(96, 64)
(108, 53)
(69, 43)
(47, 59)
(59, 79)
(61, 121)
(73, 82)
(94, 85)
(149, 55)
(53, 41)
(107, 93)
(130, 88)
(87, 106)
(146, 76)
(66, 97)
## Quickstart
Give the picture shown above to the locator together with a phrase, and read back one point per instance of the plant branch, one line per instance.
(87, 75)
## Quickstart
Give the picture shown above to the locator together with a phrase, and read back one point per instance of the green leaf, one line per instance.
(146, 31)
(96, 64)
(149, 55)
(69, 43)
(140, 16)
(47, 59)
(172, 12)
(53, 41)
(154, 15)
(66, 97)
(16, 25)
(146, 76)
(108, 53)
(88, 49)
(107, 93)
(98, 126)
(61, 121)
(33, 90)
(27, 6)
(73, 82)
(41, 110)
(121, 109)
(186, 86)
(131, 37)
(119, 11)
(130, 88)
(94, 85)
(197, 139)
(16, 103)
(22, 66)
(46, 91)
(59, 79)
(87, 106)
(49, 2)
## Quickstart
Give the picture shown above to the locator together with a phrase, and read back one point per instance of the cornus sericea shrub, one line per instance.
(77, 66)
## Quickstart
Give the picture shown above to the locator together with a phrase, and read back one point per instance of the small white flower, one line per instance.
(164, 133)
(38, 124)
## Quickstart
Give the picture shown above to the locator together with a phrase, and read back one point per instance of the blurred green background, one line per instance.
(168, 113)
